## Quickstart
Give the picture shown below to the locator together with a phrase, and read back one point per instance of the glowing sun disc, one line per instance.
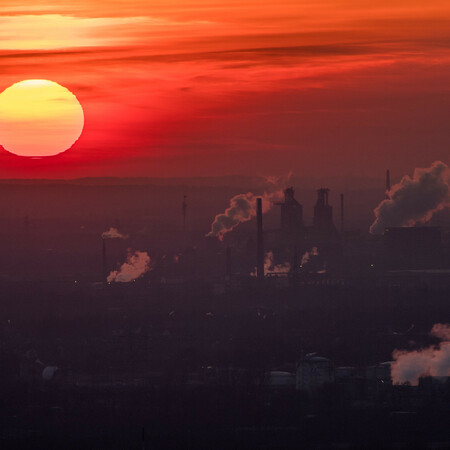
(39, 118)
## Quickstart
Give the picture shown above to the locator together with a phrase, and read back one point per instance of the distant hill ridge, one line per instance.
(341, 182)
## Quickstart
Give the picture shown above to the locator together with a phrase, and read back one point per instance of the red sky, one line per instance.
(177, 88)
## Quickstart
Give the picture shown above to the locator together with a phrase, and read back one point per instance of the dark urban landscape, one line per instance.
(224, 225)
(277, 329)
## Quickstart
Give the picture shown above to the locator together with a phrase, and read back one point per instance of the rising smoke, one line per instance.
(270, 267)
(113, 233)
(414, 200)
(134, 267)
(408, 367)
(242, 209)
(306, 257)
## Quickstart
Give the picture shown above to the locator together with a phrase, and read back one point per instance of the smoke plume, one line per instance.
(270, 267)
(242, 209)
(134, 267)
(113, 233)
(307, 255)
(408, 367)
(414, 200)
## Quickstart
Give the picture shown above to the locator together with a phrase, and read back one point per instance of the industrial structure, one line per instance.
(313, 372)
(292, 227)
(294, 238)
(199, 330)
(291, 213)
(259, 241)
(323, 211)
(388, 184)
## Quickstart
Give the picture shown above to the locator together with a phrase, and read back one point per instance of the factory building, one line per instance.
(323, 211)
(293, 239)
(280, 380)
(313, 372)
(291, 223)
(291, 213)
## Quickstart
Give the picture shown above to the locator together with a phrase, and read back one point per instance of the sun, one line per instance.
(39, 118)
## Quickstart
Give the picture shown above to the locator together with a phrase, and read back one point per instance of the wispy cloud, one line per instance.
(55, 31)
(168, 77)
(59, 31)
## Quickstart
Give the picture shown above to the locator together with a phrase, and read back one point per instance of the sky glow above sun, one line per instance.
(175, 88)
(39, 118)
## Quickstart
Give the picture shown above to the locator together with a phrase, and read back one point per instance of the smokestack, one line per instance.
(342, 213)
(414, 200)
(26, 250)
(295, 261)
(388, 183)
(259, 240)
(228, 262)
(104, 262)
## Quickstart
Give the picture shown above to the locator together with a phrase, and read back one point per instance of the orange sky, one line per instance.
(173, 88)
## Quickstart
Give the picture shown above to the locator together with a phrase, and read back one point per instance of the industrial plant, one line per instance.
(278, 323)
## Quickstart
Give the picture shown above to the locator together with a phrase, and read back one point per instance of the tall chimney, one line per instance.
(342, 213)
(388, 183)
(259, 241)
(104, 262)
(295, 261)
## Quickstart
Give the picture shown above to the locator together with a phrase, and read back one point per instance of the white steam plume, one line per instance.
(269, 266)
(242, 209)
(243, 206)
(408, 367)
(113, 233)
(134, 267)
(414, 200)
(307, 255)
